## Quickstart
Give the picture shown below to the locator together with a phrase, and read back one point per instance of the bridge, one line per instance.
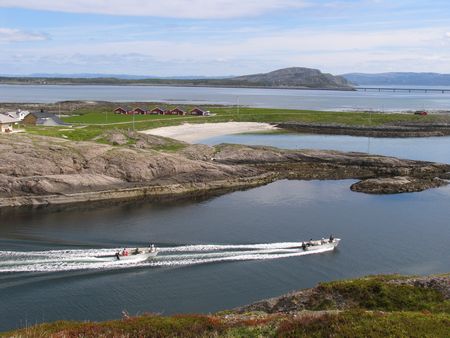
(407, 90)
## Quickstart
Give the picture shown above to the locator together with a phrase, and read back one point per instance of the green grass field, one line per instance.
(88, 124)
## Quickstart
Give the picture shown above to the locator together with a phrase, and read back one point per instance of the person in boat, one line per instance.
(152, 248)
(125, 252)
(303, 245)
(136, 251)
(310, 242)
(331, 238)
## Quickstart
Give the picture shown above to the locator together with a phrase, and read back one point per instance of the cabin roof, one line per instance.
(46, 115)
(7, 119)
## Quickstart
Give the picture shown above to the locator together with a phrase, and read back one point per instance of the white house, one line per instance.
(18, 114)
(6, 123)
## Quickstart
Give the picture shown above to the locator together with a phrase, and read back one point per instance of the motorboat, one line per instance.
(322, 244)
(133, 255)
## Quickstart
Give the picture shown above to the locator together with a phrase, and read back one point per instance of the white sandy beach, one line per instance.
(192, 133)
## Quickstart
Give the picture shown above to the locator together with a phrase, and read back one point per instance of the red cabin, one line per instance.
(120, 110)
(139, 111)
(421, 113)
(157, 111)
(198, 112)
(176, 111)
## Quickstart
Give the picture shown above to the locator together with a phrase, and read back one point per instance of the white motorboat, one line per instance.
(133, 255)
(322, 244)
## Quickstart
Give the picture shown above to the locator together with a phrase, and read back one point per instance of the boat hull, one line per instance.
(138, 258)
(322, 246)
(144, 255)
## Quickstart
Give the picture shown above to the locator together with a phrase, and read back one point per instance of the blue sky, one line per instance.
(223, 37)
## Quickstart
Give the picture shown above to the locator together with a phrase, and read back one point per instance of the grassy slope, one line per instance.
(379, 309)
(92, 122)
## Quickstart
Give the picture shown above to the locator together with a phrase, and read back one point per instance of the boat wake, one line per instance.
(86, 259)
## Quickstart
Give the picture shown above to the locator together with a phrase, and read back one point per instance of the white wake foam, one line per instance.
(68, 260)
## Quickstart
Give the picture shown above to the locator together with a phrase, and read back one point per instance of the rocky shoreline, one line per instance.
(397, 130)
(373, 306)
(339, 298)
(51, 171)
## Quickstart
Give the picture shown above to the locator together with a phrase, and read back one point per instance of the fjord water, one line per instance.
(268, 98)
(407, 233)
(225, 251)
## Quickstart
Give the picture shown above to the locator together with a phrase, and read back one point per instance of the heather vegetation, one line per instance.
(376, 306)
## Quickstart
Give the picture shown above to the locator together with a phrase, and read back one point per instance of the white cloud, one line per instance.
(331, 51)
(195, 9)
(16, 35)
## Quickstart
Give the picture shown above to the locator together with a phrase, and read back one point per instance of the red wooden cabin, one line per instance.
(139, 111)
(157, 111)
(422, 113)
(198, 112)
(176, 111)
(120, 110)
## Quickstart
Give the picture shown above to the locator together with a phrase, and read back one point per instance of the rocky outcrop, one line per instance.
(41, 170)
(342, 295)
(397, 184)
(398, 130)
(439, 283)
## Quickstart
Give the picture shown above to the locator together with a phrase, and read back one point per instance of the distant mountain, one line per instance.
(295, 77)
(413, 79)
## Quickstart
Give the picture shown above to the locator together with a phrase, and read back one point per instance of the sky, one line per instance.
(223, 37)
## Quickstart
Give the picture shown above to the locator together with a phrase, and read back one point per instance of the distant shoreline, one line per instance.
(352, 89)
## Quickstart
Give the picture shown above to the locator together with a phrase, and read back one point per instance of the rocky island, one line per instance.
(44, 170)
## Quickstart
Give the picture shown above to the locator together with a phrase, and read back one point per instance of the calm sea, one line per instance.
(221, 252)
(269, 98)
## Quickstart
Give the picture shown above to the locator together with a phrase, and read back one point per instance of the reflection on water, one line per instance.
(406, 233)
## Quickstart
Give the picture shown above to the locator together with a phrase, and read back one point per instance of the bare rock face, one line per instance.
(117, 139)
(237, 154)
(397, 184)
(40, 165)
(200, 152)
(138, 140)
(43, 166)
